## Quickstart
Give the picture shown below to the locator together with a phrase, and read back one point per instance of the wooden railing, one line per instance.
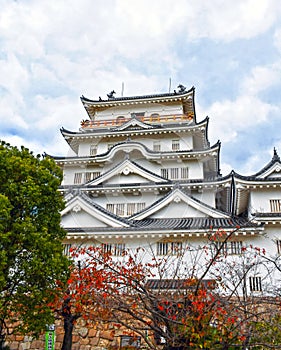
(152, 119)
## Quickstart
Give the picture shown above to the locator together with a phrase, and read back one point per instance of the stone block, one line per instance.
(92, 333)
(94, 341)
(83, 332)
(109, 335)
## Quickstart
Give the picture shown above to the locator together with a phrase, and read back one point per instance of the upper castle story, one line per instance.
(176, 107)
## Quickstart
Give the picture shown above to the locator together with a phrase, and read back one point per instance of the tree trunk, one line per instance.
(68, 328)
(68, 323)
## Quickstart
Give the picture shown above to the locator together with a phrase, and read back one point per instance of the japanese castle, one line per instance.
(141, 171)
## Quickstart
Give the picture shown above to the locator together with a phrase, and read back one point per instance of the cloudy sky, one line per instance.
(54, 51)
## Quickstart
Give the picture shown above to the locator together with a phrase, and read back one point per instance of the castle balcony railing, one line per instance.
(154, 119)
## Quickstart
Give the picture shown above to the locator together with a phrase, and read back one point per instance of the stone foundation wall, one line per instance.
(85, 337)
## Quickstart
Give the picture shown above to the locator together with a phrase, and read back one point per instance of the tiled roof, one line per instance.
(175, 283)
(100, 208)
(83, 98)
(263, 215)
(169, 224)
(137, 165)
(115, 130)
(255, 177)
(193, 223)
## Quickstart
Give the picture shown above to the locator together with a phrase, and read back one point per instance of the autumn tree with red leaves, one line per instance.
(194, 299)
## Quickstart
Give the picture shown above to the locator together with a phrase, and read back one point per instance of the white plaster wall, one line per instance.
(80, 219)
(185, 140)
(259, 199)
(148, 109)
(139, 197)
(177, 210)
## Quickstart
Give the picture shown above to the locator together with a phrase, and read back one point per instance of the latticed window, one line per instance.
(255, 284)
(115, 249)
(235, 247)
(230, 247)
(140, 206)
(120, 209)
(89, 176)
(175, 248)
(184, 173)
(168, 248)
(278, 245)
(275, 205)
(107, 247)
(156, 146)
(77, 178)
(130, 208)
(165, 173)
(175, 145)
(118, 249)
(110, 207)
(125, 209)
(162, 248)
(175, 173)
(93, 150)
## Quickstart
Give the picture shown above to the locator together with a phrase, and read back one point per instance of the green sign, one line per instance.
(50, 340)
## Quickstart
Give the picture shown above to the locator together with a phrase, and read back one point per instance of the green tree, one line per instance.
(31, 253)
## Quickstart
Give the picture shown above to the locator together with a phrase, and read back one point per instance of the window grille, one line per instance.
(110, 207)
(77, 178)
(91, 175)
(162, 248)
(120, 209)
(184, 173)
(278, 245)
(165, 173)
(230, 247)
(255, 284)
(275, 205)
(175, 173)
(175, 145)
(116, 249)
(130, 208)
(140, 206)
(165, 248)
(93, 150)
(156, 146)
(235, 247)
(175, 248)
(125, 209)
(107, 247)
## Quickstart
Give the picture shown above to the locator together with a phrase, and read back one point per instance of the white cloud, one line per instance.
(262, 78)
(52, 51)
(228, 118)
(277, 38)
(226, 20)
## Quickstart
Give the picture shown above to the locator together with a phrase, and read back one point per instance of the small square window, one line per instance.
(156, 146)
(278, 245)
(175, 145)
(275, 205)
(255, 284)
(77, 178)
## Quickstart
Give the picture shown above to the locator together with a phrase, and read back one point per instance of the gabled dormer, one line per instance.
(272, 169)
(134, 124)
(126, 172)
(83, 211)
(178, 204)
